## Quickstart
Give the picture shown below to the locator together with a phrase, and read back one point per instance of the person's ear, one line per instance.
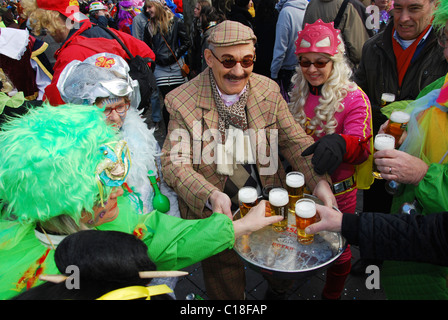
(208, 57)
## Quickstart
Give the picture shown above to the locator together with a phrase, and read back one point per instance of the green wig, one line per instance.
(440, 14)
(49, 160)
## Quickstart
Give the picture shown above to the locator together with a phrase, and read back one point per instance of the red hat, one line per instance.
(318, 37)
(69, 8)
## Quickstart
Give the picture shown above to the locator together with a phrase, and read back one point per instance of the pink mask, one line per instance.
(318, 37)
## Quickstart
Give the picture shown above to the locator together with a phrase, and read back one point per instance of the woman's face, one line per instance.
(106, 213)
(316, 76)
(115, 110)
(197, 10)
(151, 10)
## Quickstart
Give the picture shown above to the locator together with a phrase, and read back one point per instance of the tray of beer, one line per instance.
(281, 255)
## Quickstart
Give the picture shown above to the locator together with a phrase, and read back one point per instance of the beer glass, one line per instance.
(295, 182)
(248, 198)
(382, 142)
(279, 202)
(305, 216)
(387, 98)
(397, 124)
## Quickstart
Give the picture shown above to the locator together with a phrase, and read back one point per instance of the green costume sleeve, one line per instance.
(432, 86)
(175, 243)
(431, 191)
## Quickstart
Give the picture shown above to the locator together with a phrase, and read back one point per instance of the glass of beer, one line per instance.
(305, 216)
(295, 182)
(248, 198)
(382, 142)
(397, 124)
(387, 98)
(279, 202)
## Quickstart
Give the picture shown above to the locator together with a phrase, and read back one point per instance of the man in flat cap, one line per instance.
(227, 127)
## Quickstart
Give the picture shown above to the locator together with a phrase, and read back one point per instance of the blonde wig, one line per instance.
(43, 19)
(163, 18)
(334, 90)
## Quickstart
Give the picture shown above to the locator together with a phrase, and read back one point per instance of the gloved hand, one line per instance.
(328, 153)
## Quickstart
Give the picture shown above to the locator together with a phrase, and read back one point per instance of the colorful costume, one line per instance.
(353, 120)
(126, 15)
(19, 51)
(85, 42)
(59, 163)
(341, 128)
(427, 140)
(106, 75)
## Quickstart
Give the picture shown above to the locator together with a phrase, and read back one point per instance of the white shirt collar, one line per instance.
(230, 99)
(406, 43)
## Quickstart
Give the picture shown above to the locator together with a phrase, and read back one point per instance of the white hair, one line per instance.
(334, 90)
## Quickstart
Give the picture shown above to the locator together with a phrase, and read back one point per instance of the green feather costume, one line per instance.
(48, 173)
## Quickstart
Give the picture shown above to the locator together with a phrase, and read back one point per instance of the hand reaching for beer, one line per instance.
(330, 220)
(254, 220)
(324, 193)
(221, 203)
(400, 166)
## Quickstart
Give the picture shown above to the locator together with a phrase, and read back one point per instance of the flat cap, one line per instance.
(230, 33)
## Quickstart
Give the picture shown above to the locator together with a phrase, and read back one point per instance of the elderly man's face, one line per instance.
(230, 80)
(411, 17)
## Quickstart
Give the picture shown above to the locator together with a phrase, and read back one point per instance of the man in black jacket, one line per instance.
(402, 60)
(405, 57)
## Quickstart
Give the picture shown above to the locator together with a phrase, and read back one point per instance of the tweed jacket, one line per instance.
(193, 114)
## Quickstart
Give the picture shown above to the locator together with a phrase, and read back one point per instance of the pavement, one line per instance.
(308, 288)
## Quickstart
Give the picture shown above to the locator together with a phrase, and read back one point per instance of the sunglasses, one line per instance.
(317, 64)
(229, 63)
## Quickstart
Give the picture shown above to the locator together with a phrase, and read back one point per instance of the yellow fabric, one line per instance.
(136, 292)
(434, 123)
(363, 171)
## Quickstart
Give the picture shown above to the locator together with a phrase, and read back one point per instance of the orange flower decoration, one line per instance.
(104, 62)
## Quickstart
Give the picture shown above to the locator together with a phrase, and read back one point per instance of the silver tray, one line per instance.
(281, 255)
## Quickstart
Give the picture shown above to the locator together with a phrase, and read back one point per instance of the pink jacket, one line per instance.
(354, 120)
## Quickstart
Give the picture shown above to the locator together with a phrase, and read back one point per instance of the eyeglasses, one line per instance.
(121, 109)
(317, 64)
(229, 63)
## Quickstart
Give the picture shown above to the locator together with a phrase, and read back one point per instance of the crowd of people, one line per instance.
(79, 152)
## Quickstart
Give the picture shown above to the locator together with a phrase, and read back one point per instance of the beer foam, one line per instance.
(278, 197)
(247, 195)
(305, 209)
(384, 142)
(388, 97)
(400, 117)
(295, 180)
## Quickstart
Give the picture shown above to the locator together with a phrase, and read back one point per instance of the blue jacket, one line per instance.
(289, 23)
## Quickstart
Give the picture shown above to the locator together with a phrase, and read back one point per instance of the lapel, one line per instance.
(206, 102)
(259, 112)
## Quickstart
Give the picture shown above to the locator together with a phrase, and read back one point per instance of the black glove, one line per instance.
(328, 153)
